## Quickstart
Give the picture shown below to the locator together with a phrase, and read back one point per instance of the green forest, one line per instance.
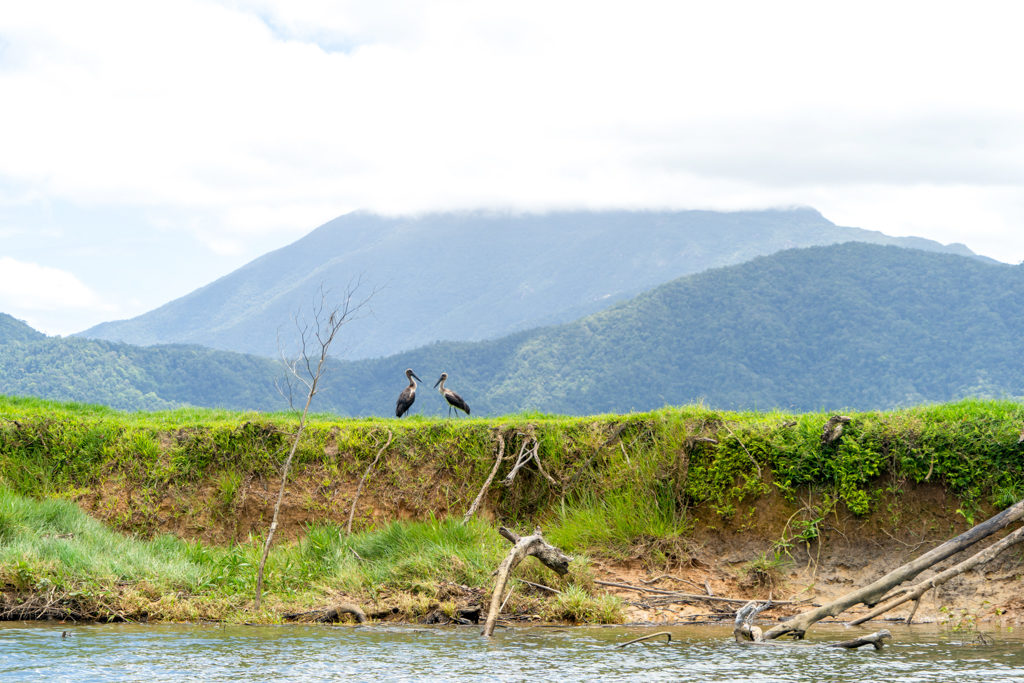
(851, 326)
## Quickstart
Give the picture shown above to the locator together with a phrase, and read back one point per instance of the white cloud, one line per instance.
(42, 287)
(42, 296)
(237, 121)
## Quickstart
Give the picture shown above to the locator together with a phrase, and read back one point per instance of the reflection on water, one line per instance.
(131, 652)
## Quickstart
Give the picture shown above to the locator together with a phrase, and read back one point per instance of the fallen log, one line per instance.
(917, 590)
(522, 547)
(872, 594)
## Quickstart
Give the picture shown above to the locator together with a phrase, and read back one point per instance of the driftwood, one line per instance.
(522, 547)
(694, 597)
(874, 639)
(873, 593)
(916, 591)
(746, 633)
(331, 614)
(487, 484)
(833, 429)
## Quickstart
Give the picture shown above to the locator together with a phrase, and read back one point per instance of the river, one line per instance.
(157, 653)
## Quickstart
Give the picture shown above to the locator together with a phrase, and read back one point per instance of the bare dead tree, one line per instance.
(316, 334)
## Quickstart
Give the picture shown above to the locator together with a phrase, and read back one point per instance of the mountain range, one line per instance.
(852, 325)
(472, 276)
(855, 326)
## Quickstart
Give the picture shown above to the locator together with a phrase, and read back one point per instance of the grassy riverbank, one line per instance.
(160, 515)
(56, 561)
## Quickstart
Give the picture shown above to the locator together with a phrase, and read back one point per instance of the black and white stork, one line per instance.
(453, 399)
(408, 394)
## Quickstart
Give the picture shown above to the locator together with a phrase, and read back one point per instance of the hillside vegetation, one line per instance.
(133, 377)
(474, 275)
(194, 488)
(851, 326)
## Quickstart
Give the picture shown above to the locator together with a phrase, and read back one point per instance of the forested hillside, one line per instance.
(12, 330)
(849, 326)
(472, 276)
(135, 378)
(854, 326)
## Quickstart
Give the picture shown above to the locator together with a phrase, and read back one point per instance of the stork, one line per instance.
(453, 399)
(408, 394)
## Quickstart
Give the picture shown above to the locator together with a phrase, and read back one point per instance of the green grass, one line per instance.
(52, 548)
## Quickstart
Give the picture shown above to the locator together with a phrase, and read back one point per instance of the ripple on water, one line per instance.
(126, 652)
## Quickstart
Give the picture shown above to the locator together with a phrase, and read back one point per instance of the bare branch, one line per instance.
(483, 489)
(362, 483)
(324, 331)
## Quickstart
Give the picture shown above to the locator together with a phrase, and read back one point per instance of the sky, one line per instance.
(148, 148)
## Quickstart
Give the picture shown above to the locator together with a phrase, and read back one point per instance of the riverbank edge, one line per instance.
(743, 522)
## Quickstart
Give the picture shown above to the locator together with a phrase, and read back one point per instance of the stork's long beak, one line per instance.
(417, 377)
(437, 382)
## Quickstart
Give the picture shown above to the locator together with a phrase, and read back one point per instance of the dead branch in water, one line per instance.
(362, 483)
(746, 633)
(331, 614)
(667, 635)
(522, 547)
(874, 639)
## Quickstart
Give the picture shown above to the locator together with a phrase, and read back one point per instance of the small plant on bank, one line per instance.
(574, 604)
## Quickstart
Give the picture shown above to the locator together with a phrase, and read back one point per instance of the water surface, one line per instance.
(134, 652)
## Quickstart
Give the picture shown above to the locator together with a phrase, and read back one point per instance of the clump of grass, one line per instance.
(576, 605)
(763, 572)
(619, 524)
(408, 554)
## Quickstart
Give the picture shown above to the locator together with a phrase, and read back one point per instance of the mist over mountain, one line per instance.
(472, 276)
